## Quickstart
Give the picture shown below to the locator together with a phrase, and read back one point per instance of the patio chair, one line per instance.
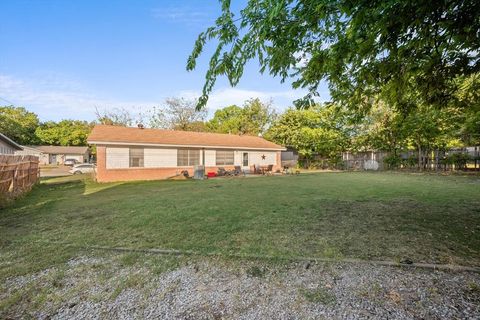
(221, 172)
(237, 170)
(269, 170)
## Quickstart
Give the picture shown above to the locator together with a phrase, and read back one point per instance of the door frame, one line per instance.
(52, 159)
(243, 160)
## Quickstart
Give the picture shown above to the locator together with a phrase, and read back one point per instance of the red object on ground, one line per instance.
(211, 174)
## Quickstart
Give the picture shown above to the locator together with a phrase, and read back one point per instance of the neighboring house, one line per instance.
(31, 151)
(146, 154)
(8, 146)
(56, 154)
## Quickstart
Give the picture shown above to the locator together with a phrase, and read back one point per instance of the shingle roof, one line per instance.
(105, 134)
(9, 141)
(61, 149)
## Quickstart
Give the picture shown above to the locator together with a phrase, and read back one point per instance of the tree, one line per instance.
(19, 124)
(257, 116)
(226, 120)
(432, 129)
(118, 117)
(362, 48)
(468, 97)
(382, 128)
(253, 119)
(178, 114)
(64, 133)
(321, 129)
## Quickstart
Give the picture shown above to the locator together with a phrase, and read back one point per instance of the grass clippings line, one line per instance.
(430, 266)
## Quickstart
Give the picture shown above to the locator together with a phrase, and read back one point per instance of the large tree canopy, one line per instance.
(64, 133)
(19, 124)
(402, 50)
(253, 119)
(318, 130)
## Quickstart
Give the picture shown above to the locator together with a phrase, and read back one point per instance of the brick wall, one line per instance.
(129, 174)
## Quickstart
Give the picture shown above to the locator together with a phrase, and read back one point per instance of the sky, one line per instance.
(62, 59)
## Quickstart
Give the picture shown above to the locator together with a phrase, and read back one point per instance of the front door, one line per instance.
(53, 159)
(245, 159)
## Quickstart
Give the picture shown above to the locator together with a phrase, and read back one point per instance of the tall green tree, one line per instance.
(432, 129)
(19, 124)
(381, 128)
(64, 133)
(468, 97)
(362, 48)
(321, 129)
(226, 120)
(254, 118)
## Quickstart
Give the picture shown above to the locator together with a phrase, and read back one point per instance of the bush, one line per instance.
(458, 159)
(336, 162)
(392, 161)
(410, 162)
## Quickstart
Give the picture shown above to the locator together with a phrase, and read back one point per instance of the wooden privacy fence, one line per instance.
(361, 160)
(17, 175)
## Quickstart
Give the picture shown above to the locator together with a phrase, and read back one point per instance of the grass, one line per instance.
(319, 295)
(389, 216)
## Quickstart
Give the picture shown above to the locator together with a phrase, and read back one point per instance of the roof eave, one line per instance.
(124, 143)
(10, 142)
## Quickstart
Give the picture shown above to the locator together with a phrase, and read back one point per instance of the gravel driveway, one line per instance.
(123, 286)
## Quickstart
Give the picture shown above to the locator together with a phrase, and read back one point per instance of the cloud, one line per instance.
(54, 99)
(198, 15)
(227, 96)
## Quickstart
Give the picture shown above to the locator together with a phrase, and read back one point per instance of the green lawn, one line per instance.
(387, 216)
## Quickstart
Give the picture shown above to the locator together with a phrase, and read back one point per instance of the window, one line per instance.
(188, 157)
(224, 158)
(136, 157)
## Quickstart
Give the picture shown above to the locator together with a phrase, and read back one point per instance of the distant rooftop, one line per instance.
(61, 149)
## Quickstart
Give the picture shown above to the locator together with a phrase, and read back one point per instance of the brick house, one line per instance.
(148, 154)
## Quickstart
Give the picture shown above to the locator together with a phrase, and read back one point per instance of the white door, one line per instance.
(245, 164)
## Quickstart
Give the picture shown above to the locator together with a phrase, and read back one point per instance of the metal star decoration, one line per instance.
(263, 157)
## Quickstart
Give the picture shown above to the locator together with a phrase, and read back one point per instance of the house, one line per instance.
(147, 154)
(7, 145)
(30, 151)
(56, 154)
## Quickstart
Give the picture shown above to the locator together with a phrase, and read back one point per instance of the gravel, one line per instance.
(103, 288)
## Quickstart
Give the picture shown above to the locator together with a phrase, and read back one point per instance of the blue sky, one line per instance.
(61, 59)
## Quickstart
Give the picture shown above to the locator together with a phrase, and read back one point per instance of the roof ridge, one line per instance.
(173, 130)
(151, 136)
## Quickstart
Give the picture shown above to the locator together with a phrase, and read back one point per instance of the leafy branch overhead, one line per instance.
(388, 48)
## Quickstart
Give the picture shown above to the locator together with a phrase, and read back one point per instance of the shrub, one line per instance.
(336, 162)
(410, 162)
(458, 159)
(392, 161)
